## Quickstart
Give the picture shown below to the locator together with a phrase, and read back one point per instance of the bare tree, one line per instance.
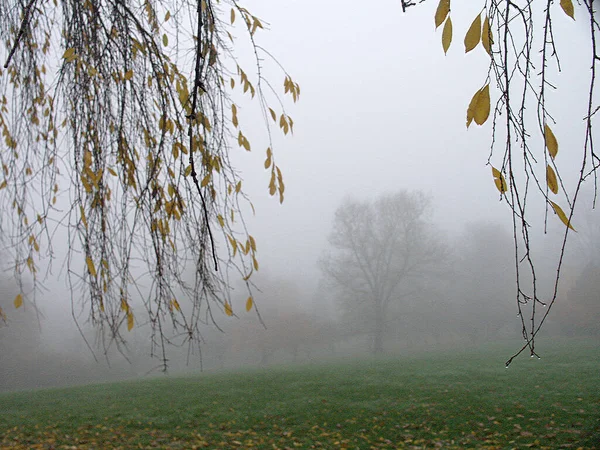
(381, 251)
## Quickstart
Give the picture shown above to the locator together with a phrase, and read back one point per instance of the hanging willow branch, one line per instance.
(519, 37)
(118, 120)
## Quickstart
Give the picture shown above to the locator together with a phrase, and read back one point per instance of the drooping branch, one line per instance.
(113, 133)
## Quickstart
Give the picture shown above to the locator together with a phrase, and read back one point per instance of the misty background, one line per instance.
(382, 111)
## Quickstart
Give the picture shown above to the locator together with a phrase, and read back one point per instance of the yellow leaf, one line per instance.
(221, 220)
(128, 75)
(273, 115)
(473, 35)
(175, 305)
(249, 304)
(283, 124)
(499, 180)
(232, 15)
(90, 266)
(272, 186)
(233, 243)
(487, 39)
(83, 219)
(441, 12)
(228, 309)
(561, 215)
(447, 35)
(255, 263)
(3, 185)
(567, 6)
(205, 180)
(551, 142)
(165, 40)
(479, 108)
(471, 108)
(129, 320)
(167, 16)
(69, 54)
(551, 179)
(18, 301)
(234, 119)
(252, 243)
(247, 277)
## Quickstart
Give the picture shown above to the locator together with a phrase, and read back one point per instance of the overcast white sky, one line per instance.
(382, 109)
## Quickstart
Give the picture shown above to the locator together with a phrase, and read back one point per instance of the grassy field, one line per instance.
(461, 399)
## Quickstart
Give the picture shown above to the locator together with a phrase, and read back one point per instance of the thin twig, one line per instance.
(24, 24)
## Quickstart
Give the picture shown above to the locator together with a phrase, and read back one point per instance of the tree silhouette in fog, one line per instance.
(381, 251)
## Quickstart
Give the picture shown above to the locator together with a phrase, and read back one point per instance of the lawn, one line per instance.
(459, 399)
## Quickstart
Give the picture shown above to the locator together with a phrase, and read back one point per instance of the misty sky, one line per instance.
(382, 109)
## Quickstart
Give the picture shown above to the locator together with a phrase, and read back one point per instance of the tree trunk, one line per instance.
(379, 325)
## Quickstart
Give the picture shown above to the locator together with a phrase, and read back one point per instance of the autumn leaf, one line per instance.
(551, 142)
(69, 55)
(249, 304)
(447, 35)
(473, 35)
(130, 320)
(442, 11)
(90, 266)
(551, 179)
(228, 310)
(175, 305)
(83, 218)
(479, 108)
(499, 180)
(561, 215)
(18, 301)
(234, 119)
(567, 6)
(487, 39)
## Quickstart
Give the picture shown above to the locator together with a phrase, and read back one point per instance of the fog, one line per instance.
(382, 111)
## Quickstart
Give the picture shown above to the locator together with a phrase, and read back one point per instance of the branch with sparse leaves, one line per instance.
(518, 37)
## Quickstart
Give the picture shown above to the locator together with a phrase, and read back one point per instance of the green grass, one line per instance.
(461, 399)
